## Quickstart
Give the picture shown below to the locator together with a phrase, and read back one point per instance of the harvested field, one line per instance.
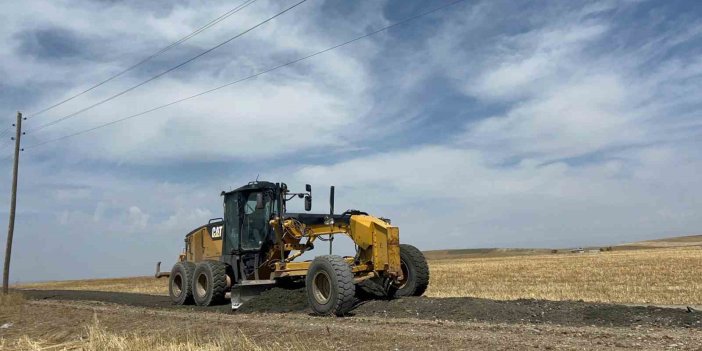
(481, 253)
(140, 285)
(668, 276)
(507, 302)
(661, 276)
(680, 241)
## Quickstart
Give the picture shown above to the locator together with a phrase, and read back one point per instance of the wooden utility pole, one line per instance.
(13, 204)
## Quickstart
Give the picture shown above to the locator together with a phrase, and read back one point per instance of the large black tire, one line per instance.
(209, 283)
(329, 285)
(180, 283)
(416, 271)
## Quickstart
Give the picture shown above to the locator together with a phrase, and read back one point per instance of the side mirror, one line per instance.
(331, 200)
(308, 197)
(308, 202)
(259, 201)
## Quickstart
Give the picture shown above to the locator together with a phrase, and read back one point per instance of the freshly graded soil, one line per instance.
(464, 309)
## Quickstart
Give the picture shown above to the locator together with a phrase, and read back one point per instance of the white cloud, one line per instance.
(436, 190)
(188, 218)
(526, 64)
(99, 212)
(574, 119)
(575, 131)
(136, 218)
(300, 107)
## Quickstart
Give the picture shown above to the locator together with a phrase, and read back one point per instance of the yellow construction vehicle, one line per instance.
(254, 247)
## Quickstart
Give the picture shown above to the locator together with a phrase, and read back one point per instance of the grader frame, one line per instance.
(254, 247)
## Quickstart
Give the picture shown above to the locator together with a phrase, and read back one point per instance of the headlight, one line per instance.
(328, 220)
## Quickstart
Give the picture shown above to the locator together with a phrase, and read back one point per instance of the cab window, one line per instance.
(255, 226)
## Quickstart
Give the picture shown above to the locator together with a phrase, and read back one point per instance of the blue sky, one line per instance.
(489, 124)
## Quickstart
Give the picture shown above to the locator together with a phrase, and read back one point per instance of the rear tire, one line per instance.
(416, 271)
(180, 283)
(329, 285)
(209, 283)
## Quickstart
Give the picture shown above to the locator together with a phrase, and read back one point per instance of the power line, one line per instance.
(148, 58)
(167, 71)
(408, 19)
(7, 130)
(4, 137)
(5, 147)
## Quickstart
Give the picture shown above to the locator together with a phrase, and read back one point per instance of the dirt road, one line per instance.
(566, 313)
(407, 324)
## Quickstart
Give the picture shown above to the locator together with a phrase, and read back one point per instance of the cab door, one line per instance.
(255, 227)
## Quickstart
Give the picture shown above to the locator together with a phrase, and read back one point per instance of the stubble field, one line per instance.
(652, 276)
(663, 276)
(475, 301)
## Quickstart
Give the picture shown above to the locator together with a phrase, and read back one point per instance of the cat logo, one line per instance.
(216, 232)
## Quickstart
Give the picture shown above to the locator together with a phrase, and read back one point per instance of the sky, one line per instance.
(486, 124)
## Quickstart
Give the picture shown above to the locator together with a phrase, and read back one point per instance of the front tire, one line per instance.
(180, 283)
(209, 283)
(329, 285)
(415, 270)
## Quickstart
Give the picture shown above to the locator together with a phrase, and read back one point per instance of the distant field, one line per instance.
(672, 242)
(655, 276)
(650, 272)
(142, 285)
(680, 241)
(481, 253)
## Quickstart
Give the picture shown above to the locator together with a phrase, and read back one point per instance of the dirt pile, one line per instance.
(530, 311)
(277, 300)
(484, 310)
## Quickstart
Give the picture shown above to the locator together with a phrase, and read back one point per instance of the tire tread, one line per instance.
(188, 272)
(421, 268)
(217, 280)
(345, 294)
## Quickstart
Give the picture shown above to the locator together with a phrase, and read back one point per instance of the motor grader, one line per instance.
(253, 247)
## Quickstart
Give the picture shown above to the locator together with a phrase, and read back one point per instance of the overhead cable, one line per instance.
(148, 58)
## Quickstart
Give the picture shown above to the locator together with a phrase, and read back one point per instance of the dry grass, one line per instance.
(98, 338)
(141, 285)
(661, 276)
(11, 300)
(10, 304)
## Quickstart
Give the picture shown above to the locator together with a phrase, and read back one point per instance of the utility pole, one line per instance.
(13, 205)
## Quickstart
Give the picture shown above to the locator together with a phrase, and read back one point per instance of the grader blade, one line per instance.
(247, 290)
(160, 274)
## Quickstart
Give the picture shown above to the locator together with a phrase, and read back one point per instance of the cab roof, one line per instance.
(255, 185)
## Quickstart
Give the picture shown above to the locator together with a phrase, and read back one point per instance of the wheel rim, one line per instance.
(405, 274)
(321, 287)
(201, 285)
(177, 285)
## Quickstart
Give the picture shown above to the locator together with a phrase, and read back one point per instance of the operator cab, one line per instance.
(247, 232)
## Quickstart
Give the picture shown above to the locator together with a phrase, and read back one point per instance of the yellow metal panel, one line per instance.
(361, 232)
(201, 246)
(394, 250)
(378, 242)
(380, 247)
